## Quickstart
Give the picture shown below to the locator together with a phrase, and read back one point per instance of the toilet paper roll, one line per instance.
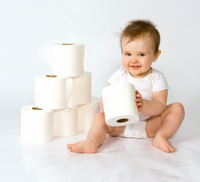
(65, 122)
(86, 114)
(50, 92)
(81, 89)
(119, 105)
(36, 125)
(67, 59)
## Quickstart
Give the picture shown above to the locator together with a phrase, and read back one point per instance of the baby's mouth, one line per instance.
(135, 66)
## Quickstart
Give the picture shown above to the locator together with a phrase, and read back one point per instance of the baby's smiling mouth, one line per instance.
(135, 66)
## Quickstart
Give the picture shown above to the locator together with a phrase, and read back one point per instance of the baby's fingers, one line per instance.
(138, 100)
(136, 92)
(138, 105)
(138, 96)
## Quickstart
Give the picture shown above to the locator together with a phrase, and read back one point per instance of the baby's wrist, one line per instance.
(142, 105)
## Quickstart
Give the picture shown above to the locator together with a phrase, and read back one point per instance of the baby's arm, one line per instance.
(153, 107)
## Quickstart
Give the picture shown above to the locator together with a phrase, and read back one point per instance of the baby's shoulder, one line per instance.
(117, 76)
(157, 76)
(158, 80)
(119, 72)
(156, 72)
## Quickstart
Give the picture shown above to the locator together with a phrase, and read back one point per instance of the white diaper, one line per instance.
(136, 130)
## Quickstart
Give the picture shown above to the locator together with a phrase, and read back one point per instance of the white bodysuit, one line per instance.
(147, 85)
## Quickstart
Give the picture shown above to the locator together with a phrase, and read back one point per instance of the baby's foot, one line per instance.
(162, 143)
(85, 146)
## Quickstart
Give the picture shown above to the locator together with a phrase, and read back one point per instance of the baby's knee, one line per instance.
(178, 108)
(116, 131)
(100, 118)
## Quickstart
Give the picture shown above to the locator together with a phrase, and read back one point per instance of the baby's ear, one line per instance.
(157, 55)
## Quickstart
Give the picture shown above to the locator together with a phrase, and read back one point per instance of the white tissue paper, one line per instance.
(50, 92)
(67, 59)
(86, 114)
(80, 89)
(36, 125)
(65, 122)
(119, 105)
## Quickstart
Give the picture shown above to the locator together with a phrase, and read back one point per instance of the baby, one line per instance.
(140, 42)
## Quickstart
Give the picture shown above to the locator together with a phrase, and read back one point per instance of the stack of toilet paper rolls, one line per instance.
(63, 102)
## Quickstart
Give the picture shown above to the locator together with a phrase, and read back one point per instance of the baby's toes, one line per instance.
(172, 149)
(168, 149)
(69, 146)
(72, 147)
(165, 149)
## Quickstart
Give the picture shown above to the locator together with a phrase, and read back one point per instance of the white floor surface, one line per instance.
(118, 159)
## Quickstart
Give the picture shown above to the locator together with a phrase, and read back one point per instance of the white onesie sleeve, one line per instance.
(159, 82)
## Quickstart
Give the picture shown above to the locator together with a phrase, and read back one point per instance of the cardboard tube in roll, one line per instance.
(65, 122)
(67, 59)
(36, 125)
(50, 92)
(81, 89)
(86, 114)
(119, 105)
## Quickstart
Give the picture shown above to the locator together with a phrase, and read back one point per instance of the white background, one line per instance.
(28, 28)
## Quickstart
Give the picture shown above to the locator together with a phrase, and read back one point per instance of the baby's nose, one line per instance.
(134, 60)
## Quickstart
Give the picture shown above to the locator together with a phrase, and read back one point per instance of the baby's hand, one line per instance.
(138, 100)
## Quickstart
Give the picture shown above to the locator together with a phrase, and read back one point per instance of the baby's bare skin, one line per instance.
(162, 143)
(85, 146)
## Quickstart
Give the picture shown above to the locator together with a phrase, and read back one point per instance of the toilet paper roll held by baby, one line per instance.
(119, 105)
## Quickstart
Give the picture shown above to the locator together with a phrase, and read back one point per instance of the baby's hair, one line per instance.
(141, 28)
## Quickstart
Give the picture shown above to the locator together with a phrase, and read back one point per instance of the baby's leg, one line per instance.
(163, 127)
(96, 136)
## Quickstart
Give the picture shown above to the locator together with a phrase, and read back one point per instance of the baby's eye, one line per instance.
(141, 54)
(128, 54)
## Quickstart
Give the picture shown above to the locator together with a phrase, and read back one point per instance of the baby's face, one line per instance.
(138, 55)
